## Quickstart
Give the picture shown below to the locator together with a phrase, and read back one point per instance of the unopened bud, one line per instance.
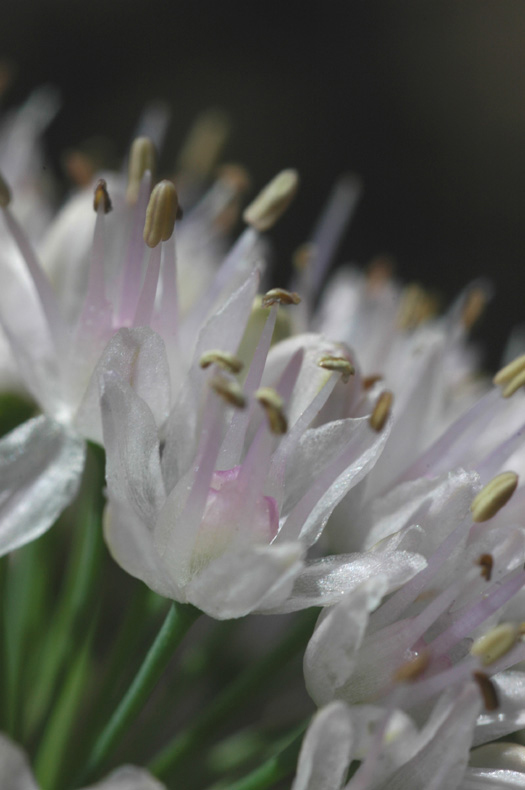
(161, 213)
(142, 157)
(272, 201)
(493, 496)
(223, 359)
(273, 405)
(101, 197)
(337, 365)
(381, 411)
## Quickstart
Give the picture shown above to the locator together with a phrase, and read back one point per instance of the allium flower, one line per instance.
(57, 343)
(455, 621)
(16, 774)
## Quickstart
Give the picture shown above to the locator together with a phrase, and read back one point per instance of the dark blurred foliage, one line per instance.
(423, 99)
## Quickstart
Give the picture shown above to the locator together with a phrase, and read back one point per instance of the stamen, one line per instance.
(272, 201)
(475, 303)
(223, 359)
(381, 411)
(280, 296)
(5, 193)
(273, 405)
(303, 256)
(161, 213)
(413, 668)
(338, 365)
(229, 391)
(512, 375)
(142, 157)
(369, 381)
(495, 643)
(204, 143)
(416, 307)
(101, 197)
(493, 496)
(488, 690)
(486, 561)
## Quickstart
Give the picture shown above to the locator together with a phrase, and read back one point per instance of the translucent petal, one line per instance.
(15, 773)
(41, 464)
(128, 778)
(326, 750)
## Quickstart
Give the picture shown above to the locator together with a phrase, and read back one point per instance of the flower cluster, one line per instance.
(245, 427)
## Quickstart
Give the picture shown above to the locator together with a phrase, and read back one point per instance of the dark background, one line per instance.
(425, 100)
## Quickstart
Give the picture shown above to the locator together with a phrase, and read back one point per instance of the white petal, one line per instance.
(15, 773)
(324, 582)
(128, 778)
(326, 750)
(492, 779)
(138, 357)
(41, 464)
(236, 584)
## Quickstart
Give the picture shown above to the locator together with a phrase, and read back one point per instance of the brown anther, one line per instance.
(280, 296)
(379, 271)
(303, 256)
(337, 365)
(142, 157)
(273, 404)
(475, 303)
(381, 411)
(161, 213)
(235, 177)
(222, 359)
(229, 391)
(5, 193)
(101, 197)
(413, 668)
(493, 496)
(511, 377)
(488, 690)
(486, 562)
(272, 201)
(495, 643)
(369, 381)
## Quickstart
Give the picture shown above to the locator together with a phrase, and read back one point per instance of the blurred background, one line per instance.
(424, 100)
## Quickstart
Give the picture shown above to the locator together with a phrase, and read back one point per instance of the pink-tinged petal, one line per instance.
(132, 449)
(492, 779)
(443, 749)
(326, 581)
(41, 464)
(332, 652)
(15, 773)
(510, 716)
(309, 516)
(249, 580)
(326, 751)
(131, 545)
(138, 357)
(128, 778)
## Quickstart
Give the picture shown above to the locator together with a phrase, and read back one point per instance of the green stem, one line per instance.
(3, 642)
(231, 698)
(277, 767)
(178, 621)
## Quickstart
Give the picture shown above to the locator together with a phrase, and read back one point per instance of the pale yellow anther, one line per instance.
(495, 643)
(337, 365)
(161, 213)
(413, 668)
(229, 391)
(416, 306)
(493, 496)
(487, 689)
(280, 296)
(511, 377)
(222, 359)
(381, 411)
(475, 303)
(272, 201)
(204, 144)
(5, 193)
(273, 405)
(101, 197)
(142, 157)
